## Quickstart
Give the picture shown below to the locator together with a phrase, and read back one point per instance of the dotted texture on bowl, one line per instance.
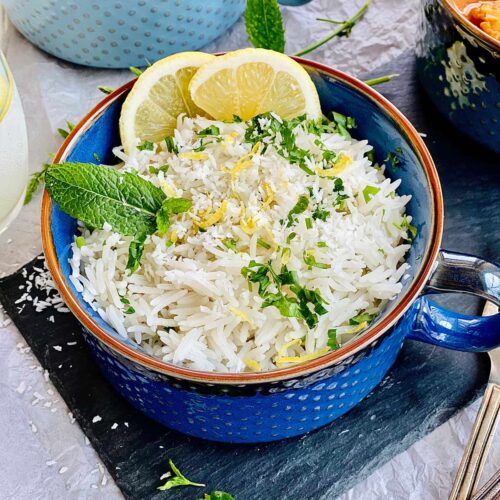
(258, 416)
(121, 33)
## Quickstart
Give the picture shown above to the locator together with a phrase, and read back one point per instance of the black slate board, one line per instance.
(426, 386)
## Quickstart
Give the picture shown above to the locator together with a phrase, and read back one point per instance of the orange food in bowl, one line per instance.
(486, 15)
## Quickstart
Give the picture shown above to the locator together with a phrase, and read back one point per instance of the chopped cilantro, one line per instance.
(211, 130)
(124, 300)
(371, 156)
(230, 243)
(405, 224)
(130, 310)
(298, 208)
(369, 192)
(332, 339)
(361, 318)
(393, 159)
(237, 119)
(155, 170)
(309, 224)
(96, 157)
(296, 305)
(290, 237)
(310, 260)
(322, 244)
(149, 146)
(171, 145)
(263, 243)
(321, 214)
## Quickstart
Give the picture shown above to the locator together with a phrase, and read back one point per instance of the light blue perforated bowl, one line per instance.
(121, 33)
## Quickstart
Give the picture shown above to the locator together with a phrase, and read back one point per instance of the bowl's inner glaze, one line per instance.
(373, 123)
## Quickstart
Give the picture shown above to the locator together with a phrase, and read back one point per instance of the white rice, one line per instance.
(191, 304)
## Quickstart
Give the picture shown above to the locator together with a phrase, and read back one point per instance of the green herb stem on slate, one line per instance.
(344, 29)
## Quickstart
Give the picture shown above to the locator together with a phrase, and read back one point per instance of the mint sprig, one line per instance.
(178, 479)
(99, 195)
(264, 25)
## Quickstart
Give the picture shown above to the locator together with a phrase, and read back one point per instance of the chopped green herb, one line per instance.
(135, 71)
(290, 237)
(212, 130)
(217, 495)
(135, 252)
(405, 224)
(63, 133)
(298, 208)
(332, 339)
(130, 310)
(343, 123)
(154, 170)
(178, 479)
(263, 244)
(393, 158)
(371, 156)
(105, 90)
(381, 250)
(80, 241)
(309, 223)
(169, 243)
(237, 119)
(230, 243)
(124, 300)
(321, 214)
(288, 305)
(96, 157)
(169, 207)
(369, 192)
(322, 244)
(310, 260)
(146, 145)
(361, 318)
(171, 145)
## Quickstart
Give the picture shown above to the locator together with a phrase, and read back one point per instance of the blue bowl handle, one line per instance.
(432, 323)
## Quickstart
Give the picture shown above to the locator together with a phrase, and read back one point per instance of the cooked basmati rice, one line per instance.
(188, 303)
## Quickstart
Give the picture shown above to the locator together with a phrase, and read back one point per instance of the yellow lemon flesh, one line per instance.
(159, 96)
(248, 82)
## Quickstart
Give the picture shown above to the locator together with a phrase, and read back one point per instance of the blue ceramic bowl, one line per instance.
(121, 33)
(253, 407)
(459, 67)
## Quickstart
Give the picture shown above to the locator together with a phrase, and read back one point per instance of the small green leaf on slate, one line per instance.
(105, 89)
(178, 479)
(217, 495)
(135, 71)
(134, 257)
(264, 25)
(97, 194)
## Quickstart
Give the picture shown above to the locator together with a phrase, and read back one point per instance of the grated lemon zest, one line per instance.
(303, 358)
(248, 226)
(203, 213)
(343, 161)
(242, 315)
(168, 189)
(246, 161)
(231, 137)
(285, 256)
(173, 236)
(192, 155)
(214, 218)
(359, 327)
(269, 194)
(287, 346)
(252, 364)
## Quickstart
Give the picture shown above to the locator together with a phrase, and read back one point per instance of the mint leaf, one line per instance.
(96, 194)
(169, 207)
(135, 253)
(264, 25)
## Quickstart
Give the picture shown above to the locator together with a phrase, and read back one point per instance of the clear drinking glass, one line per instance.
(13, 148)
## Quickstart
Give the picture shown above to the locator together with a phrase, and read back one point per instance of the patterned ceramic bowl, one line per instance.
(121, 33)
(253, 407)
(459, 67)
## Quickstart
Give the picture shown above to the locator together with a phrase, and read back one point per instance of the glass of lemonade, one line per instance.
(13, 148)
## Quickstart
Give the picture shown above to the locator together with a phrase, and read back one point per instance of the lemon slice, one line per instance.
(248, 82)
(160, 94)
